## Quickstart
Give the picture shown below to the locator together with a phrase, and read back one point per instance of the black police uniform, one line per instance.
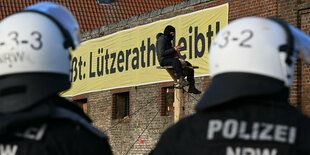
(54, 126)
(261, 125)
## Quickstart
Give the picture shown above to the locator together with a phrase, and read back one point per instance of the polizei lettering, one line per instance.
(8, 149)
(254, 131)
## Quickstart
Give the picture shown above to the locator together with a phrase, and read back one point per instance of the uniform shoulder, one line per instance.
(69, 133)
(182, 125)
(61, 126)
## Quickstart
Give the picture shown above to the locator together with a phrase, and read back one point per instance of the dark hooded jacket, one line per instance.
(164, 48)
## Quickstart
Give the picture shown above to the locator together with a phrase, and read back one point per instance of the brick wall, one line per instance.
(146, 101)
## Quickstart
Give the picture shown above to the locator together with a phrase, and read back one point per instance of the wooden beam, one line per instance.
(178, 103)
(172, 74)
(171, 71)
(166, 67)
(178, 92)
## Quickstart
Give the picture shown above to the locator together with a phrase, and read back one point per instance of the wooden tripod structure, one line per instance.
(178, 93)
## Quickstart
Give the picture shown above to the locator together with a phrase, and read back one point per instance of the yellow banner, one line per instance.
(128, 58)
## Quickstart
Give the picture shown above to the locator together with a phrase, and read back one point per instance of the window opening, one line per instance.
(105, 2)
(82, 103)
(168, 100)
(121, 105)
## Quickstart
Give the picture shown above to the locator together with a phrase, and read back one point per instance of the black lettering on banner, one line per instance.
(135, 59)
(182, 41)
(100, 67)
(202, 39)
(80, 68)
(113, 69)
(107, 62)
(209, 35)
(217, 27)
(142, 49)
(142, 56)
(150, 47)
(128, 52)
(190, 30)
(91, 74)
(74, 69)
(120, 59)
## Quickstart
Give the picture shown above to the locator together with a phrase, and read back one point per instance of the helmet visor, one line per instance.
(302, 43)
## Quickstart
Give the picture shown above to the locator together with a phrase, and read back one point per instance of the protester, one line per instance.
(245, 109)
(170, 56)
(34, 68)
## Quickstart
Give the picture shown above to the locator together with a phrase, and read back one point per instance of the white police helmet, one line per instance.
(34, 54)
(251, 56)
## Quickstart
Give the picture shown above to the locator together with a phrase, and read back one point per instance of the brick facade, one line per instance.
(146, 102)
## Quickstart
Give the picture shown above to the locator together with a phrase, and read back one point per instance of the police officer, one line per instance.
(34, 68)
(245, 109)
